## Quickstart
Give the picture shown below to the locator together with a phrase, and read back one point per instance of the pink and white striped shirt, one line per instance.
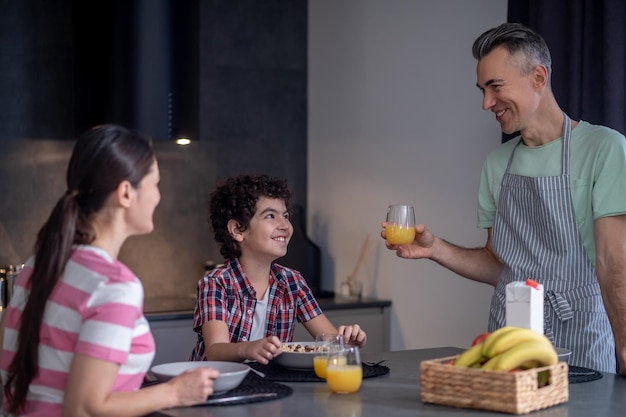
(96, 309)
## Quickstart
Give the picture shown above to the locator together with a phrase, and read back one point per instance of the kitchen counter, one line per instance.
(175, 308)
(398, 395)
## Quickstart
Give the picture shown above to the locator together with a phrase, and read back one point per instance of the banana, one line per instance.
(523, 355)
(533, 363)
(470, 357)
(490, 363)
(508, 348)
(512, 338)
(490, 340)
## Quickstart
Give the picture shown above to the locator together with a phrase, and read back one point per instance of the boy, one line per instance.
(247, 307)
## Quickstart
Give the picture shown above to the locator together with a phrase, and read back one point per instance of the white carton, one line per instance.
(524, 305)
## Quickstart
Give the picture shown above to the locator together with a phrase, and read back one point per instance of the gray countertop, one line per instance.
(398, 394)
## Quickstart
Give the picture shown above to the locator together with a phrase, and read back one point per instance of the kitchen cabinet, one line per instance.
(175, 339)
(173, 336)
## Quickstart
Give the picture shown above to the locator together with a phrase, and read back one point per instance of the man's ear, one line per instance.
(234, 228)
(540, 76)
(124, 193)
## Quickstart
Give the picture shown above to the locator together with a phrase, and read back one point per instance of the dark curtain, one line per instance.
(587, 40)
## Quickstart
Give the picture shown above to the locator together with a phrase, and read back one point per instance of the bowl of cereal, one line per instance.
(231, 373)
(298, 355)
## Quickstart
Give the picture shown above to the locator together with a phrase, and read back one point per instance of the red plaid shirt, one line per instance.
(226, 294)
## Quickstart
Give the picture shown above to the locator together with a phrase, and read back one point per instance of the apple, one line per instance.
(480, 338)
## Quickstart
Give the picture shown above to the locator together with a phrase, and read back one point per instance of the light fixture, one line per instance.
(183, 141)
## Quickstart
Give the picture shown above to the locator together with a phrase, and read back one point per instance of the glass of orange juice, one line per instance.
(400, 226)
(344, 372)
(324, 344)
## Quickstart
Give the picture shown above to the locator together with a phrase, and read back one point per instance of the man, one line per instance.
(553, 201)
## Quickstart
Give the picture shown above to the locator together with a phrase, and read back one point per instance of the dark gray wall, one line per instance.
(253, 70)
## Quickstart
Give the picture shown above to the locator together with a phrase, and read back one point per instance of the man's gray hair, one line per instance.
(517, 39)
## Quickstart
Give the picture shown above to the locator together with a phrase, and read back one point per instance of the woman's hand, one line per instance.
(194, 386)
(89, 390)
(353, 335)
(262, 350)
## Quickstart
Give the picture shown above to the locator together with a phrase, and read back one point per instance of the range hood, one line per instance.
(136, 64)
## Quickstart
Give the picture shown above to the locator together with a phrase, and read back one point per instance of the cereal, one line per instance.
(299, 348)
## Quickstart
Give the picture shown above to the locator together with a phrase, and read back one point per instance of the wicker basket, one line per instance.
(509, 392)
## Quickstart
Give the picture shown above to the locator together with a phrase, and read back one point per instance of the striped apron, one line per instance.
(535, 235)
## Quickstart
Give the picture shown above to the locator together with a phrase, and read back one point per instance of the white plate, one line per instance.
(298, 361)
(231, 373)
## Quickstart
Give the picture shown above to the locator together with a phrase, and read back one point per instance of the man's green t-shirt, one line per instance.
(597, 175)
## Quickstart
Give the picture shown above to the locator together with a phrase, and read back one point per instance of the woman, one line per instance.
(75, 341)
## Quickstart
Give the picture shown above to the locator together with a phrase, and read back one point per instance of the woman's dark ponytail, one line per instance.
(52, 250)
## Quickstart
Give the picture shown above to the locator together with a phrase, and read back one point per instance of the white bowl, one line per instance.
(563, 354)
(231, 373)
(296, 360)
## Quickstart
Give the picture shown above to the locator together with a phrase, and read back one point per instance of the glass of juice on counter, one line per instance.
(344, 372)
(400, 228)
(324, 344)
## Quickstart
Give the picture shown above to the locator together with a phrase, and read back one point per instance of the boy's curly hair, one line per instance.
(236, 199)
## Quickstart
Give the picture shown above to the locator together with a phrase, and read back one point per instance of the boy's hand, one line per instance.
(353, 335)
(263, 350)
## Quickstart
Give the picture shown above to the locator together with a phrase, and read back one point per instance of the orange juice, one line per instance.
(319, 365)
(399, 235)
(321, 362)
(344, 378)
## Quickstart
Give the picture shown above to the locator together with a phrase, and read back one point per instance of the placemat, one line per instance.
(252, 384)
(275, 372)
(578, 374)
